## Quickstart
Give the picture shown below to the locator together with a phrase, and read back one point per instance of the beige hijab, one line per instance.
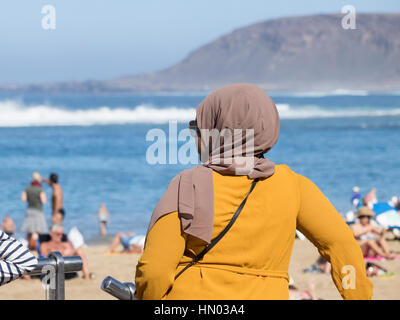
(244, 124)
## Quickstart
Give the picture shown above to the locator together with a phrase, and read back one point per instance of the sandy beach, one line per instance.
(122, 267)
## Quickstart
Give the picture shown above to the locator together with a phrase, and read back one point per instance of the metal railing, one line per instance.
(54, 269)
(122, 291)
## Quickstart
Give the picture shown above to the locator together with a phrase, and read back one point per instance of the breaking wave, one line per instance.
(15, 114)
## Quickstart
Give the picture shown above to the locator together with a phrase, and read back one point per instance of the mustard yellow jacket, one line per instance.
(251, 261)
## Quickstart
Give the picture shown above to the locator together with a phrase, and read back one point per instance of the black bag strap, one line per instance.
(223, 232)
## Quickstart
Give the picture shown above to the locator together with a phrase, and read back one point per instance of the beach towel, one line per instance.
(76, 238)
(378, 258)
(389, 219)
(382, 207)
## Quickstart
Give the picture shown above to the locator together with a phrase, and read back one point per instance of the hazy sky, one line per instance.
(98, 39)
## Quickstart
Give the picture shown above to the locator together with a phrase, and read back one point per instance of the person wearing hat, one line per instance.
(35, 196)
(371, 239)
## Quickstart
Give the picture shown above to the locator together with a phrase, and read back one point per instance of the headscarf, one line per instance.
(240, 111)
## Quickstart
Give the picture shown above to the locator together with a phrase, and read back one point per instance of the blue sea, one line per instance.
(97, 145)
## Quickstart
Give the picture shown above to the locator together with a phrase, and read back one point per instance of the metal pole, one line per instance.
(132, 290)
(60, 266)
(122, 291)
(71, 264)
(58, 292)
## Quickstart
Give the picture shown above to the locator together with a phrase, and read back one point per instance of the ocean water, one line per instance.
(97, 144)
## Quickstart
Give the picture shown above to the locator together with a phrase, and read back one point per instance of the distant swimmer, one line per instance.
(104, 217)
(58, 212)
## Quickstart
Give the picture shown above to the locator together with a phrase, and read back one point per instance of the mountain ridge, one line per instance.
(302, 53)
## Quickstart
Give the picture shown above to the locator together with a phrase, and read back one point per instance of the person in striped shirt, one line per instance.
(15, 259)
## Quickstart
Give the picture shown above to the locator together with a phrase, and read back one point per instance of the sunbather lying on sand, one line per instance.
(129, 242)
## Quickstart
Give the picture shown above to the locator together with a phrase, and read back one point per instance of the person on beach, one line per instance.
(34, 223)
(320, 266)
(371, 239)
(64, 247)
(375, 270)
(8, 226)
(15, 259)
(129, 242)
(234, 127)
(397, 203)
(356, 198)
(104, 218)
(58, 212)
(370, 199)
(297, 294)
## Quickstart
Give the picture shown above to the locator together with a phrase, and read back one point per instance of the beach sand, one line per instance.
(122, 267)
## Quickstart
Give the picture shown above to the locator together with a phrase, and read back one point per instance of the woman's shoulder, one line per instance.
(284, 169)
(283, 173)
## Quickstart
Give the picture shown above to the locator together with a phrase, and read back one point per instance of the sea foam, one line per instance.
(14, 113)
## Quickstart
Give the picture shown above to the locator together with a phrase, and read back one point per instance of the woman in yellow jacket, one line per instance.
(251, 260)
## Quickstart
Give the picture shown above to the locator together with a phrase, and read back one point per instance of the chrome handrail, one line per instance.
(54, 269)
(122, 291)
